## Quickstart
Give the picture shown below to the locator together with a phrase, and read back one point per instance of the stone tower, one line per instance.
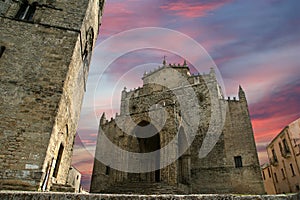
(223, 131)
(46, 47)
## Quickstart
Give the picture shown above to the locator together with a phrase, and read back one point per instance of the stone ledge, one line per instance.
(18, 195)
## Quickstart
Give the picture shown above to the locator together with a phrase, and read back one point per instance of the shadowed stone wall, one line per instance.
(43, 74)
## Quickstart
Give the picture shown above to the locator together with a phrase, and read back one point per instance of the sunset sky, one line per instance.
(255, 44)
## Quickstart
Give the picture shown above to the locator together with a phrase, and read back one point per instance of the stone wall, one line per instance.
(8, 195)
(43, 74)
(200, 98)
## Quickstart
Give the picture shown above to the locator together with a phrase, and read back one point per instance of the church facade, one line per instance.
(200, 141)
(46, 47)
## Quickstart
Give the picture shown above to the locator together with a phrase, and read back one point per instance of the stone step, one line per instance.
(62, 188)
(142, 188)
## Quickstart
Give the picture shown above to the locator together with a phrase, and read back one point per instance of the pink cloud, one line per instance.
(193, 10)
(121, 16)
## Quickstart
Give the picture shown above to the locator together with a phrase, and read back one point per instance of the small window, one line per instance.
(280, 147)
(292, 169)
(26, 11)
(297, 188)
(269, 173)
(107, 170)
(264, 177)
(275, 175)
(67, 130)
(283, 175)
(2, 49)
(286, 146)
(238, 161)
(77, 177)
(58, 160)
(274, 155)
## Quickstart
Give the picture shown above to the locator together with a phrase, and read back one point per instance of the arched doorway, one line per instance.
(149, 141)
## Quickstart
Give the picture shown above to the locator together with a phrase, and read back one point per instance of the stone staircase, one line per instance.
(147, 188)
(62, 188)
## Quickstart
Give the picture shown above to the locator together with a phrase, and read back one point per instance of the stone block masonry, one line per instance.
(231, 166)
(43, 70)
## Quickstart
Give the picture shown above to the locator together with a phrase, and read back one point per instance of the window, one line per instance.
(26, 11)
(264, 177)
(283, 175)
(269, 172)
(274, 156)
(58, 160)
(275, 175)
(297, 187)
(2, 49)
(238, 161)
(107, 170)
(292, 169)
(67, 130)
(286, 146)
(280, 147)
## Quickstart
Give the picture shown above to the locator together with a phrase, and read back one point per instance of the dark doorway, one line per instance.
(184, 159)
(157, 176)
(149, 144)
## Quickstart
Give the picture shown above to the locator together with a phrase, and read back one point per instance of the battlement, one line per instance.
(232, 99)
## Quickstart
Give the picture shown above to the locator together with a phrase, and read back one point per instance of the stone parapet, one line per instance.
(17, 195)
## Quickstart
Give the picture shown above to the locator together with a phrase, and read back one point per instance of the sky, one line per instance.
(255, 44)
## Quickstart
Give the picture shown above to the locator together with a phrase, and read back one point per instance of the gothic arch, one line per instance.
(146, 145)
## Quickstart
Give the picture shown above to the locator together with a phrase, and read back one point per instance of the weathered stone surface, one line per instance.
(43, 72)
(176, 100)
(9, 195)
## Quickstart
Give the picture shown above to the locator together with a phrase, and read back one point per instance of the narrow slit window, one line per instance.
(283, 175)
(269, 173)
(274, 156)
(275, 175)
(292, 169)
(280, 147)
(2, 49)
(58, 160)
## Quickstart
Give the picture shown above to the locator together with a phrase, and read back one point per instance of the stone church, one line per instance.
(46, 47)
(200, 142)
